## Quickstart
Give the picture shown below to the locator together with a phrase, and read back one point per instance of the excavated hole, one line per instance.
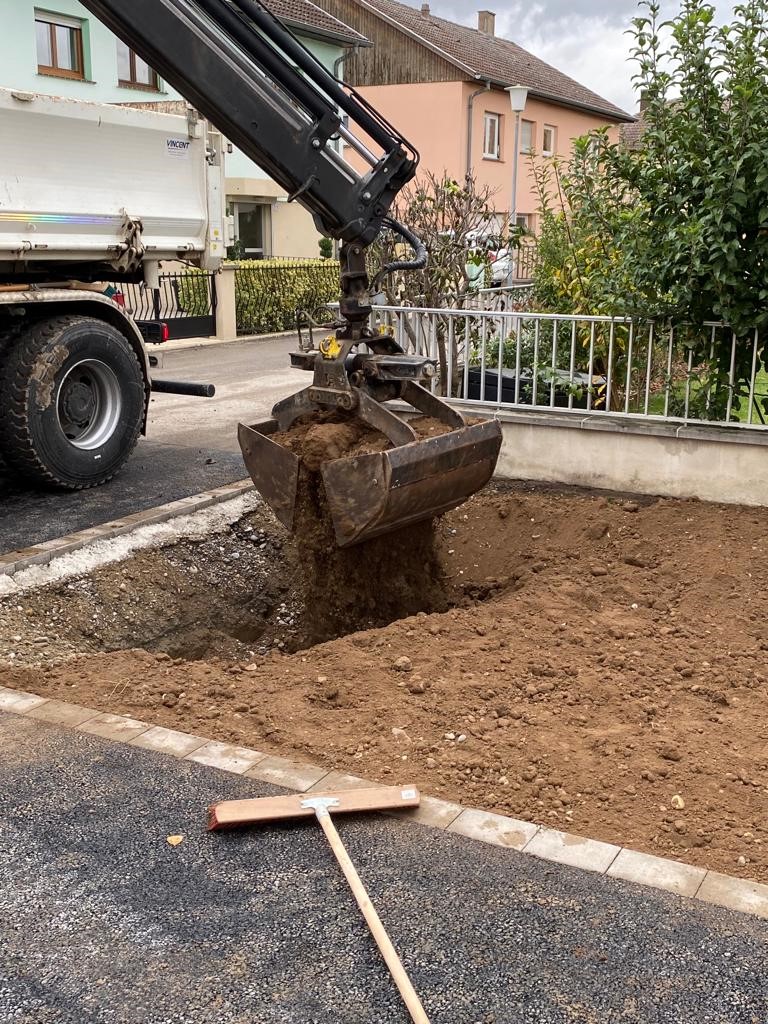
(606, 677)
(233, 595)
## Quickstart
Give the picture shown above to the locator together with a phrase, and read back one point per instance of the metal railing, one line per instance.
(525, 261)
(180, 295)
(185, 301)
(513, 299)
(591, 365)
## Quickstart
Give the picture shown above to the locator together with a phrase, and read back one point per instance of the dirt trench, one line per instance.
(599, 664)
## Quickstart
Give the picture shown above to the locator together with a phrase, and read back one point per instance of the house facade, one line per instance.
(57, 47)
(444, 85)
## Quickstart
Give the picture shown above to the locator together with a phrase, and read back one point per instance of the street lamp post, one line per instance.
(518, 96)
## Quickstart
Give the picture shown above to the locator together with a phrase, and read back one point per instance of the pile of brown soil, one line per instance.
(603, 672)
(335, 435)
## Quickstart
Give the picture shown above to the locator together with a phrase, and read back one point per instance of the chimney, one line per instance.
(425, 10)
(486, 22)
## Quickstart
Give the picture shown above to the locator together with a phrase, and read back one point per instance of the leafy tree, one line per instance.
(582, 211)
(677, 230)
(701, 176)
(451, 219)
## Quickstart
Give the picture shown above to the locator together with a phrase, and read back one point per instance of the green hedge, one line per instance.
(194, 293)
(269, 294)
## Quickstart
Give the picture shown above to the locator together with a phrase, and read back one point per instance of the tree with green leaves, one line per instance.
(676, 230)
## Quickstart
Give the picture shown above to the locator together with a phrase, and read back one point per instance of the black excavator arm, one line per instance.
(251, 78)
(245, 72)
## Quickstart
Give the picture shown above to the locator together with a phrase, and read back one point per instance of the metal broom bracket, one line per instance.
(320, 805)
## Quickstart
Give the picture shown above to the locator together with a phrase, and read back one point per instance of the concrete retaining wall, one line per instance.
(712, 463)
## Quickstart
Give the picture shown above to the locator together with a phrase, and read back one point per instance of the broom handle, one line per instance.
(393, 962)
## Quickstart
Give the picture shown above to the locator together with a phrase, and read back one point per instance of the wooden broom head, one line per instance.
(234, 813)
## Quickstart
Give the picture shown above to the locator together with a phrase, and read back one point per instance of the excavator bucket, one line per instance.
(273, 469)
(373, 494)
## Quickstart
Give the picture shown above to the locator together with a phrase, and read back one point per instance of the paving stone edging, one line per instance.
(41, 554)
(498, 830)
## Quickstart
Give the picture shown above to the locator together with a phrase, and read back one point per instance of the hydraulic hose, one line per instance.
(420, 253)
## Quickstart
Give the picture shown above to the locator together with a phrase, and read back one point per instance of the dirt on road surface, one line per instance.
(598, 665)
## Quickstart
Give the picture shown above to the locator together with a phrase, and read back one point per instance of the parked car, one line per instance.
(498, 254)
(489, 248)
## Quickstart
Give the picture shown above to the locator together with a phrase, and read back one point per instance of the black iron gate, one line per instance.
(185, 301)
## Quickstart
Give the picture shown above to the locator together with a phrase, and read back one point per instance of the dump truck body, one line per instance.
(79, 177)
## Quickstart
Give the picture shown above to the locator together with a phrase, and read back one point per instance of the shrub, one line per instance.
(193, 293)
(675, 229)
(270, 294)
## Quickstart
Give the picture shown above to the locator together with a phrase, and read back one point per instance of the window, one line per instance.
(133, 71)
(523, 220)
(59, 45)
(549, 144)
(526, 136)
(253, 223)
(492, 137)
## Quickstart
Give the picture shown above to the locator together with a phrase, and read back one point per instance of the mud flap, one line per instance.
(369, 495)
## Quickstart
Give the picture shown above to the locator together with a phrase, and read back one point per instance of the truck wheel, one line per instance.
(71, 402)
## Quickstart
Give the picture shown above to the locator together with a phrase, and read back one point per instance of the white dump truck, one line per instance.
(91, 195)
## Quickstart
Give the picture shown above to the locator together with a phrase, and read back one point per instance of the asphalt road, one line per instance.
(102, 922)
(191, 443)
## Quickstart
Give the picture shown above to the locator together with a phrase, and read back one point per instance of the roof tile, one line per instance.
(302, 12)
(494, 58)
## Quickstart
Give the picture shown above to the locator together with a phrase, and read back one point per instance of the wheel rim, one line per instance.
(89, 404)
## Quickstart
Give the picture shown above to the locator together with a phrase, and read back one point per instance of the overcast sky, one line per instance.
(584, 38)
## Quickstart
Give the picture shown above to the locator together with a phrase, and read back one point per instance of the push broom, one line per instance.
(233, 813)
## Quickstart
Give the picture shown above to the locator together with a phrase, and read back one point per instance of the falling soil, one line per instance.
(369, 584)
(602, 668)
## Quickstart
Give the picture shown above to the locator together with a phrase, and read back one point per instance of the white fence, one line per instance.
(508, 358)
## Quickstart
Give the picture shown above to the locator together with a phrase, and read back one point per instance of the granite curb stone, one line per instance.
(13, 562)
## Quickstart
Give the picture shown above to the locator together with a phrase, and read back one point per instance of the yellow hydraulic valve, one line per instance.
(329, 347)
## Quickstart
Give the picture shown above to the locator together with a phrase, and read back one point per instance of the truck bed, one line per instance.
(72, 171)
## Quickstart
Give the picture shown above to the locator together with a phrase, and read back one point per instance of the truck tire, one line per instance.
(71, 402)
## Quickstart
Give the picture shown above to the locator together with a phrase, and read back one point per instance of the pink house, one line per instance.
(444, 85)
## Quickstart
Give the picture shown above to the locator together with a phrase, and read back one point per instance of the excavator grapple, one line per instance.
(356, 372)
(369, 495)
(372, 494)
